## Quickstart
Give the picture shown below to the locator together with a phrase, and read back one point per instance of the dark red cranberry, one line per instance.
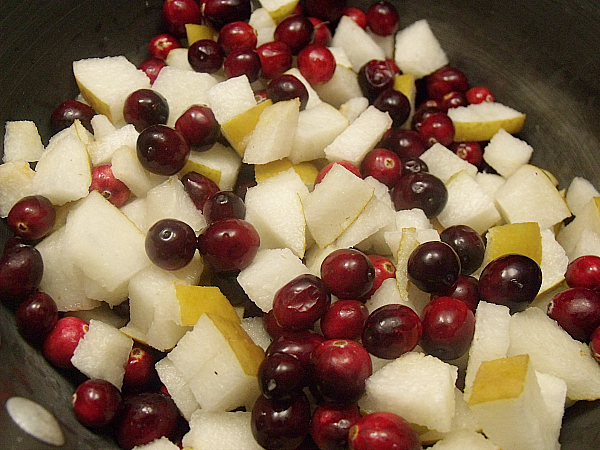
(348, 273)
(396, 104)
(237, 35)
(340, 369)
(584, 272)
(413, 165)
(229, 245)
(282, 375)
(468, 245)
(479, 94)
(111, 188)
(68, 112)
(161, 44)
(466, 289)
(437, 128)
(295, 31)
(445, 80)
(330, 424)
(145, 107)
(152, 67)
(595, 344)
(374, 77)
(205, 56)
(420, 190)
(275, 58)
(328, 10)
(433, 266)
(470, 151)
(286, 87)
(224, 205)
(391, 331)
(322, 33)
(300, 344)
(316, 63)
(61, 342)
(242, 62)
(96, 403)
(406, 143)
(21, 270)
(383, 18)
(32, 217)
(448, 328)
(140, 373)
(170, 244)
(162, 150)
(382, 164)
(577, 311)
(511, 280)
(422, 113)
(176, 13)
(199, 188)
(346, 164)
(301, 302)
(36, 316)
(221, 12)
(146, 417)
(383, 430)
(454, 99)
(384, 269)
(357, 16)
(199, 126)
(271, 325)
(344, 319)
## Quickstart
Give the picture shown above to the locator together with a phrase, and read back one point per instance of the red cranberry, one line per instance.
(161, 44)
(406, 143)
(584, 272)
(316, 63)
(301, 302)
(346, 164)
(176, 13)
(295, 31)
(577, 311)
(260, 95)
(300, 344)
(96, 403)
(413, 165)
(224, 205)
(111, 188)
(454, 99)
(348, 273)
(383, 18)
(357, 16)
(470, 151)
(327, 10)
(341, 368)
(330, 424)
(420, 190)
(468, 245)
(374, 77)
(433, 266)
(344, 319)
(162, 150)
(448, 328)
(61, 342)
(479, 94)
(199, 126)
(595, 344)
(396, 104)
(391, 331)
(242, 62)
(422, 113)
(271, 325)
(140, 373)
(466, 289)
(36, 317)
(21, 270)
(322, 33)
(32, 217)
(221, 12)
(383, 430)
(286, 87)
(199, 188)
(229, 245)
(68, 112)
(145, 418)
(384, 269)
(282, 375)
(382, 164)
(445, 80)
(205, 56)
(152, 67)
(170, 244)
(437, 128)
(237, 35)
(275, 58)
(145, 107)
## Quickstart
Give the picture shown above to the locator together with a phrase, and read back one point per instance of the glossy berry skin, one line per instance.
(448, 328)
(382, 164)
(176, 13)
(383, 430)
(96, 403)
(471, 151)
(229, 245)
(199, 188)
(242, 62)
(205, 56)
(396, 104)
(595, 344)
(445, 80)
(275, 58)
(32, 217)
(479, 94)
(511, 280)
(413, 165)
(301, 302)
(453, 99)
(140, 373)
(295, 31)
(152, 67)
(357, 16)
(577, 311)
(161, 44)
(224, 205)
(237, 35)
(468, 245)
(346, 164)
(384, 269)
(420, 190)
(383, 18)
(316, 63)
(36, 316)
(271, 325)
(437, 128)
(422, 113)
(466, 289)
(111, 188)
(199, 126)
(21, 270)
(345, 319)
(281, 375)
(392, 330)
(406, 143)
(162, 150)
(340, 369)
(170, 244)
(60, 343)
(145, 417)
(374, 77)
(330, 425)
(348, 273)
(299, 344)
(280, 424)
(433, 266)
(286, 87)
(322, 33)
(584, 272)
(221, 12)
(68, 112)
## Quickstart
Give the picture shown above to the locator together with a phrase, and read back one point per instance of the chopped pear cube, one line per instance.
(579, 193)
(103, 148)
(222, 430)
(22, 142)
(587, 219)
(341, 88)
(444, 163)
(481, 121)
(506, 153)
(239, 128)
(177, 387)
(418, 51)
(357, 44)
(230, 98)
(126, 166)
(554, 262)
(197, 300)
(219, 163)
(15, 183)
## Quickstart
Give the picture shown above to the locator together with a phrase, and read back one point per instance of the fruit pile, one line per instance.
(295, 228)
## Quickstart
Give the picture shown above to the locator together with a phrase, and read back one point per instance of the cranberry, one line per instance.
(454, 99)
(422, 113)
(205, 56)
(413, 165)
(152, 67)
(468, 245)
(346, 164)
(433, 266)
(199, 126)
(68, 112)
(221, 12)
(32, 217)
(577, 311)
(382, 164)
(145, 107)
(295, 31)
(340, 369)
(161, 44)
(437, 128)
(286, 87)
(162, 150)
(445, 80)
(391, 331)
(140, 373)
(357, 16)
(383, 430)
(282, 375)
(301, 302)
(348, 273)
(512, 280)
(21, 270)
(327, 10)
(322, 33)
(406, 143)
(229, 245)
(448, 328)
(280, 424)
(145, 418)
(111, 188)
(383, 18)
(176, 13)
(466, 289)
(300, 344)
(384, 269)
(330, 424)
(479, 94)
(316, 63)
(584, 272)
(275, 58)
(344, 319)
(242, 62)
(199, 188)
(237, 35)
(420, 190)
(36, 317)
(61, 342)
(96, 403)
(170, 244)
(595, 344)
(470, 151)
(374, 77)
(396, 104)
(224, 205)
(260, 95)
(271, 325)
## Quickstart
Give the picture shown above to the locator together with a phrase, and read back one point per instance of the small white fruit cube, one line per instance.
(126, 166)
(342, 87)
(255, 328)
(418, 51)
(587, 219)
(230, 98)
(263, 24)
(220, 163)
(177, 387)
(222, 430)
(465, 439)
(313, 97)
(506, 153)
(22, 142)
(101, 126)
(354, 107)
(490, 182)
(588, 244)
(162, 443)
(178, 58)
(102, 149)
(15, 183)
(554, 261)
(357, 44)
(444, 163)
(376, 215)
(554, 392)
(579, 193)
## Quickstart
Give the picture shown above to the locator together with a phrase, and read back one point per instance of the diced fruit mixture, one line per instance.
(299, 226)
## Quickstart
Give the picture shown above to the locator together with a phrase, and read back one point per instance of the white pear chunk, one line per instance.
(15, 183)
(532, 332)
(579, 193)
(181, 89)
(481, 121)
(465, 439)
(126, 166)
(103, 353)
(490, 182)
(340, 56)
(275, 208)
(530, 196)
(554, 262)
(587, 244)
(63, 173)
(357, 44)
(103, 313)
(406, 218)
(270, 270)
(386, 43)
(360, 137)
(587, 219)
(313, 97)
(279, 9)
(387, 293)
(177, 387)
(342, 87)
(506, 153)
(162, 443)
(444, 163)
(263, 24)
(219, 163)
(105, 83)
(354, 107)
(222, 430)
(417, 387)
(335, 203)
(178, 58)
(274, 132)
(230, 98)
(22, 142)
(418, 51)
(554, 392)
(101, 126)
(315, 255)
(255, 328)
(102, 149)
